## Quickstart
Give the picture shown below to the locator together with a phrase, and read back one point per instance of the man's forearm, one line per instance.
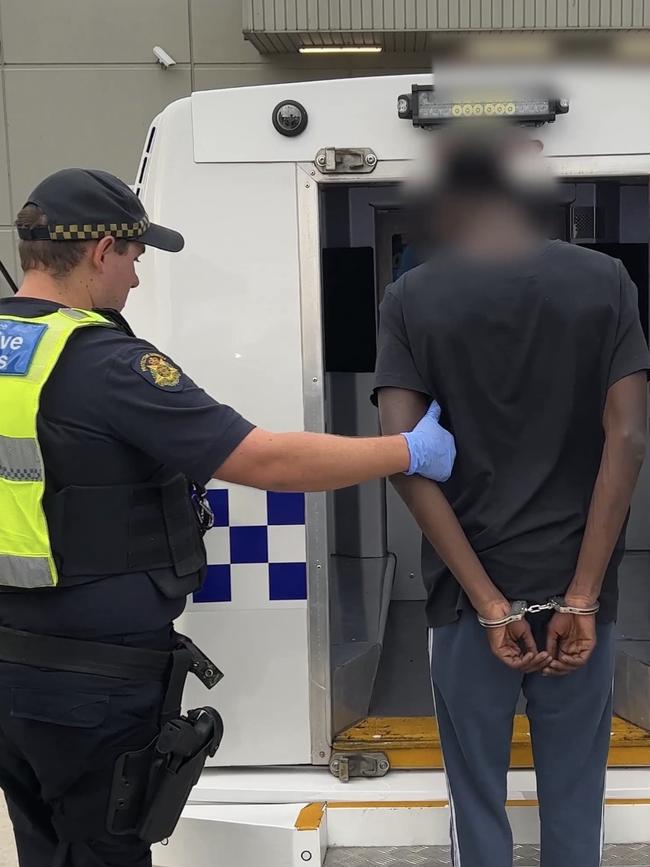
(438, 522)
(619, 470)
(399, 409)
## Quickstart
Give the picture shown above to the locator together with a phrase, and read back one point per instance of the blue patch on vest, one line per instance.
(18, 343)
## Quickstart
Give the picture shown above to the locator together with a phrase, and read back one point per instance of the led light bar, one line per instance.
(426, 109)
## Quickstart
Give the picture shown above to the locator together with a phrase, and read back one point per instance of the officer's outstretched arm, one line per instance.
(202, 438)
(321, 462)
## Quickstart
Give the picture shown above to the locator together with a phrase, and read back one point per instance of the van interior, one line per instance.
(379, 652)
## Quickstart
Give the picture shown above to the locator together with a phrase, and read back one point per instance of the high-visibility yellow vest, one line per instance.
(29, 352)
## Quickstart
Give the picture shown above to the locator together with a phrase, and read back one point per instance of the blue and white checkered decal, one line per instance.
(256, 549)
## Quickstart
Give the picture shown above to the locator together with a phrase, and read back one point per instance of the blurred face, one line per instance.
(486, 178)
(114, 272)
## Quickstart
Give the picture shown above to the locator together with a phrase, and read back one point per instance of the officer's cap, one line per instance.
(88, 204)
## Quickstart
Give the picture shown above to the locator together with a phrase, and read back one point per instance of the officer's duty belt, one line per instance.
(113, 660)
(83, 657)
(108, 660)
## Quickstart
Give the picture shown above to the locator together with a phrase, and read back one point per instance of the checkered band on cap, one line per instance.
(93, 231)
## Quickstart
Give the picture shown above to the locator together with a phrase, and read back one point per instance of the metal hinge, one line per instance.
(346, 161)
(344, 766)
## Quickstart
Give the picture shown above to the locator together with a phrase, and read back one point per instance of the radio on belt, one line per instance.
(427, 109)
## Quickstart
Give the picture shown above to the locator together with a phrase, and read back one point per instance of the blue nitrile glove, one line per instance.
(432, 448)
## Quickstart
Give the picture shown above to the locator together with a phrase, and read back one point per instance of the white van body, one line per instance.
(241, 311)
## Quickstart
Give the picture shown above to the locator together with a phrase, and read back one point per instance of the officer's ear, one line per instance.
(103, 247)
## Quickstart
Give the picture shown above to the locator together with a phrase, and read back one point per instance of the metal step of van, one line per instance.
(414, 742)
(628, 855)
(292, 817)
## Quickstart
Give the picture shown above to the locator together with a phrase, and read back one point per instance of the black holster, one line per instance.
(151, 786)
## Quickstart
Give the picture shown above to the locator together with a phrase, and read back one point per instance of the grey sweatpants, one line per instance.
(570, 721)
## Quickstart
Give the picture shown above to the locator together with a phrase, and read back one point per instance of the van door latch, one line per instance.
(346, 161)
(344, 766)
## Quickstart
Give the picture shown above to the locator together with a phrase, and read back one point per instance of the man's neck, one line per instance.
(497, 234)
(45, 287)
(498, 244)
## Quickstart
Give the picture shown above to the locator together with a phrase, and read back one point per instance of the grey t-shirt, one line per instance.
(520, 356)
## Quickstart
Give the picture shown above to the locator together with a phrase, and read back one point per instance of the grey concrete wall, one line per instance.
(79, 83)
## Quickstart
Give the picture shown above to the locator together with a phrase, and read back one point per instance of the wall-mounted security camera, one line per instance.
(164, 59)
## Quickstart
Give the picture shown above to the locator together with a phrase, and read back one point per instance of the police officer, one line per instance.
(105, 445)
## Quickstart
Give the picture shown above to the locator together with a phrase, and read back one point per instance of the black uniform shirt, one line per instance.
(520, 356)
(103, 420)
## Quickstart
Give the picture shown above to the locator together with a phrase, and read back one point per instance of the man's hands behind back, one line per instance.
(514, 644)
(570, 641)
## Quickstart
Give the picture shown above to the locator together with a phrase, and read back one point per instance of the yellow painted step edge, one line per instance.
(310, 817)
(424, 805)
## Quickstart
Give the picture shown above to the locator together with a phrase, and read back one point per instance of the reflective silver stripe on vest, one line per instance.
(27, 572)
(20, 460)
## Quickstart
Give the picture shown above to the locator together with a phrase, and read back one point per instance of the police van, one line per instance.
(289, 199)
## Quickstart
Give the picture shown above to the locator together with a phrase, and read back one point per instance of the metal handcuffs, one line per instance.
(519, 609)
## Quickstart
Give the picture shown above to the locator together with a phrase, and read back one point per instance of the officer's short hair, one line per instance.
(57, 257)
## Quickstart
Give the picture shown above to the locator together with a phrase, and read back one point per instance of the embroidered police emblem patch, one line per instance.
(159, 370)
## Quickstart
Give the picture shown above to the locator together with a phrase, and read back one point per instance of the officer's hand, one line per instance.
(514, 644)
(571, 639)
(432, 448)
